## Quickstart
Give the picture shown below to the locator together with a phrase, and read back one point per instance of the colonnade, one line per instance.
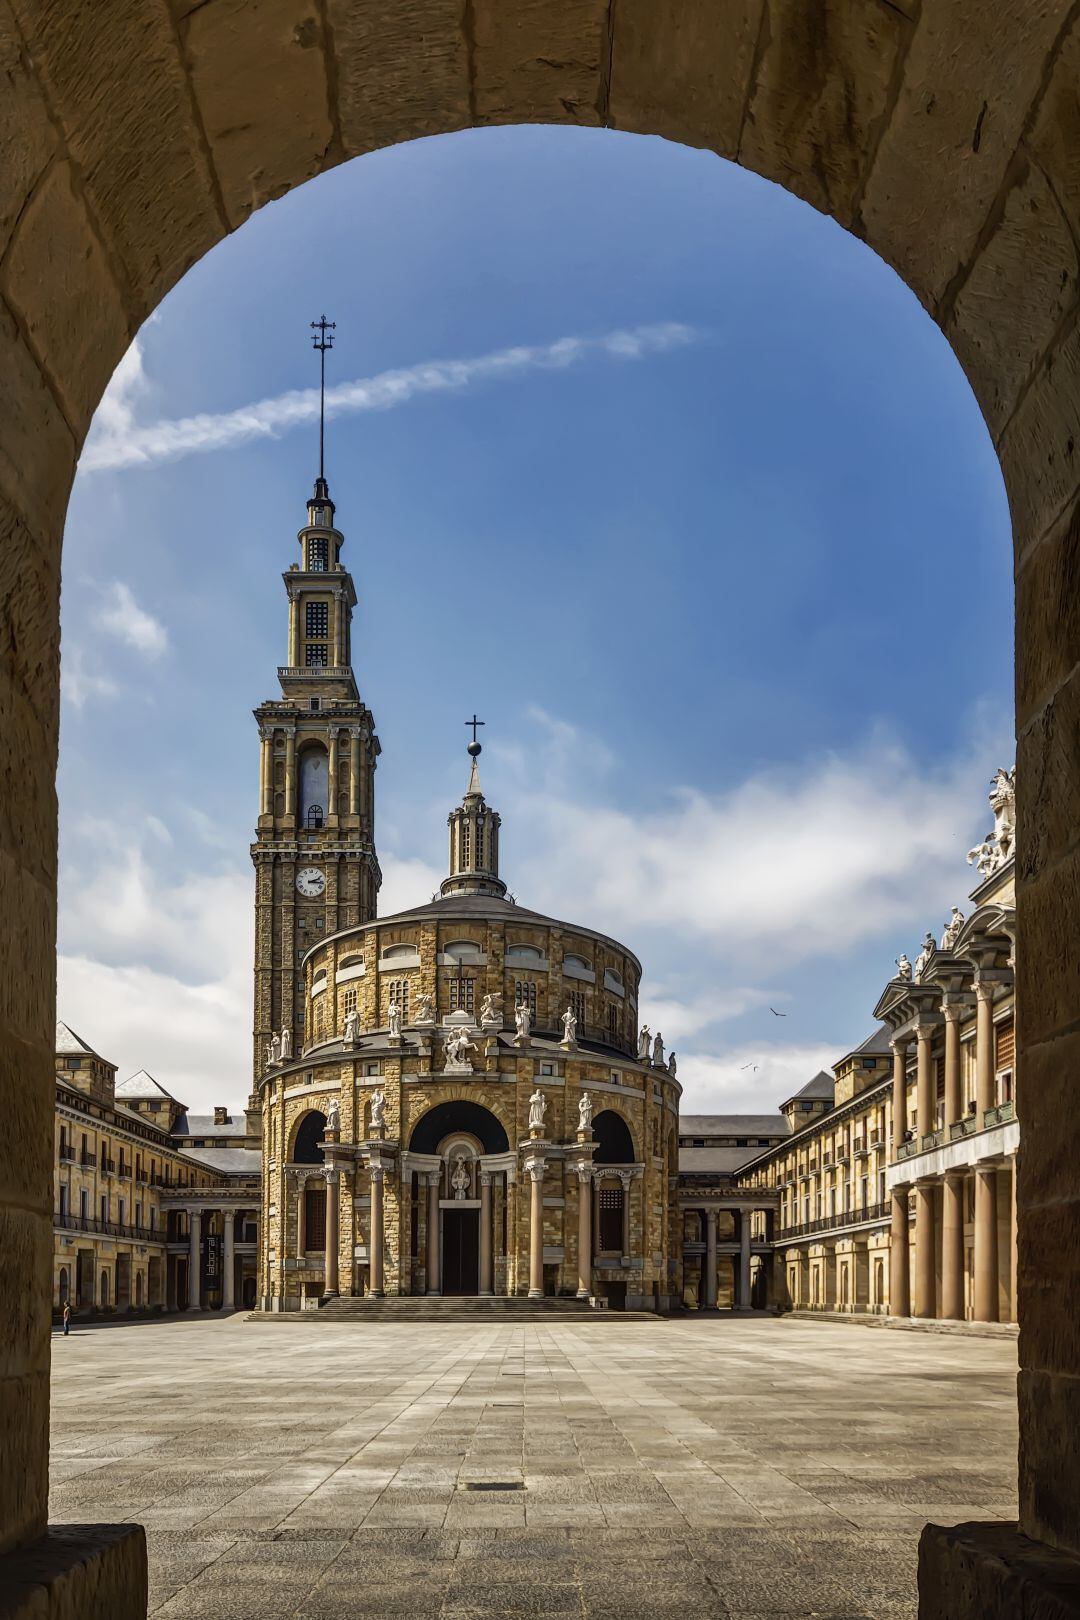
(195, 1215)
(358, 776)
(917, 1294)
(710, 1267)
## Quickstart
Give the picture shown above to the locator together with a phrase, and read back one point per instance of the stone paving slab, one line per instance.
(742, 1469)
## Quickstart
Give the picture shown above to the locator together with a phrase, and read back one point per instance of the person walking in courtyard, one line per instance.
(67, 1318)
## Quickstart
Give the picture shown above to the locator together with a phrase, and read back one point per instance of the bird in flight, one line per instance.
(776, 1014)
(750, 1066)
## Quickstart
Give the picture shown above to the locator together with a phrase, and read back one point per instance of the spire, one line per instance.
(321, 343)
(474, 836)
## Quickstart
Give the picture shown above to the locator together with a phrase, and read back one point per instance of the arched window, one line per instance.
(614, 1143)
(524, 954)
(462, 950)
(313, 787)
(307, 1148)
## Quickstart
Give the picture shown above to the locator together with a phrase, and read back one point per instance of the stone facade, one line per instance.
(897, 1189)
(146, 1196)
(403, 1153)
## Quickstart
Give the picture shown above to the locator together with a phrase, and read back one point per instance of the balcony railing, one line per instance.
(875, 1138)
(829, 1223)
(142, 1176)
(92, 1223)
(108, 1167)
(908, 1150)
(87, 1159)
(859, 1148)
(1001, 1115)
(963, 1127)
(932, 1139)
(67, 1153)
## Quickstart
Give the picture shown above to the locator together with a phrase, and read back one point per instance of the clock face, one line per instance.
(310, 881)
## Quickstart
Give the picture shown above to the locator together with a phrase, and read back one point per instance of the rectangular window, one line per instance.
(613, 1022)
(399, 996)
(316, 620)
(84, 1204)
(315, 655)
(610, 1202)
(525, 995)
(314, 1219)
(349, 1003)
(104, 1204)
(63, 1201)
(577, 1007)
(318, 554)
(461, 995)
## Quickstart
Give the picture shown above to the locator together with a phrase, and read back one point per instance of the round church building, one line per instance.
(474, 1110)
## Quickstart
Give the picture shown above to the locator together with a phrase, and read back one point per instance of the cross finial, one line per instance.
(321, 341)
(474, 723)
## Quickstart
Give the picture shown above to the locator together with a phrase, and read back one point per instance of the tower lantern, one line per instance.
(474, 835)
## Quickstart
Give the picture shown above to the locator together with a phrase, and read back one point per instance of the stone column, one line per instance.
(986, 1244)
(899, 1256)
(535, 1170)
(433, 1279)
(924, 1084)
(330, 1258)
(710, 1259)
(290, 773)
(354, 771)
(984, 1055)
(228, 1278)
(744, 1259)
(899, 1093)
(953, 1106)
(487, 1281)
(626, 1182)
(952, 1246)
(332, 773)
(375, 1234)
(925, 1282)
(194, 1260)
(584, 1231)
(266, 771)
(294, 632)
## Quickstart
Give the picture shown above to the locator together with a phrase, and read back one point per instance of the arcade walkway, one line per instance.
(708, 1468)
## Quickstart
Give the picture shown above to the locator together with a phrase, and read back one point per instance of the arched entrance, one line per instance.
(461, 1150)
(943, 138)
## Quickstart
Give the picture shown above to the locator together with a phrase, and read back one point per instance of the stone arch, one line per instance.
(942, 138)
(306, 1138)
(614, 1139)
(454, 1116)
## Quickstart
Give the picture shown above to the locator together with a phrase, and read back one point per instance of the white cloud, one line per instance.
(79, 683)
(406, 883)
(677, 1019)
(121, 616)
(751, 1078)
(789, 863)
(115, 441)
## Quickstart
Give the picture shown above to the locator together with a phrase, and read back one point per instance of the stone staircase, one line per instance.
(473, 1308)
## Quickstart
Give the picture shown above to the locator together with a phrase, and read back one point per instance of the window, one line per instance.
(318, 554)
(104, 1205)
(348, 1004)
(121, 1210)
(399, 997)
(314, 1219)
(613, 1022)
(577, 1006)
(64, 1201)
(461, 995)
(466, 845)
(610, 1211)
(316, 625)
(525, 995)
(315, 655)
(372, 1069)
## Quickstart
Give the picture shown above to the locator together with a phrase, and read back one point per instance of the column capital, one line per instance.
(984, 988)
(954, 1011)
(900, 1044)
(925, 1028)
(534, 1169)
(584, 1170)
(377, 1173)
(485, 1178)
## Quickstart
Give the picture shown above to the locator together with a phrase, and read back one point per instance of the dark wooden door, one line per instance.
(461, 1251)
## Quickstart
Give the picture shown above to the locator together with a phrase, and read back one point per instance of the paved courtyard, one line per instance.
(742, 1467)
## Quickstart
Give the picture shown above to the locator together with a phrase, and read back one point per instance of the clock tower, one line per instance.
(314, 852)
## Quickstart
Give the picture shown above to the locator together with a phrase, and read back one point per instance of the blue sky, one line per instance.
(721, 554)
